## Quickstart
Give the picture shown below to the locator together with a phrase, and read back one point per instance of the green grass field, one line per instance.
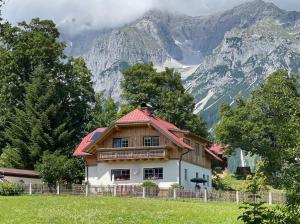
(79, 209)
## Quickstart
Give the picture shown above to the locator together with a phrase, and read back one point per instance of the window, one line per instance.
(204, 179)
(153, 173)
(151, 141)
(120, 174)
(120, 142)
(185, 174)
(197, 175)
(187, 141)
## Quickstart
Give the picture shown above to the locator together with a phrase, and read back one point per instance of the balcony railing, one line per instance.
(132, 153)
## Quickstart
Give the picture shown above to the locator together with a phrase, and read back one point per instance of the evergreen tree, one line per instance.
(36, 127)
(165, 93)
(24, 49)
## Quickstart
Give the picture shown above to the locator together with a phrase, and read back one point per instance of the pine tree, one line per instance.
(38, 126)
(63, 116)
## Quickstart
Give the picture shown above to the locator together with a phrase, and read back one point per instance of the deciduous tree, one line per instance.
(268, 125)
(165, 93)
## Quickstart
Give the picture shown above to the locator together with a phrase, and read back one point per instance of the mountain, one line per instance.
(221, 56)
(241, 63)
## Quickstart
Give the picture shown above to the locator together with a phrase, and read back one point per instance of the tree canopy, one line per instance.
(165, 93)
(104, 112)
(58, 168)
(268, 124)
(46, 98)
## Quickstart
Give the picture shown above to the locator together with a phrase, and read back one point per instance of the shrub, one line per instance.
(10, 189)
(255, 213)
(176, 186)
(149, 184)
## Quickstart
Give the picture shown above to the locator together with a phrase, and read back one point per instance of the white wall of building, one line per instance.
(191, 173)
(101, 174)
(24, 180)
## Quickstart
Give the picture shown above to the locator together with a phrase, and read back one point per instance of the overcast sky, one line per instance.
(87, 14)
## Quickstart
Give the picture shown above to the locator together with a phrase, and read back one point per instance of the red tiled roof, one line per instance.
(85, 141)
(134, 116)
(138, 115)
(218, 149)
(213, 155)
(141, 116)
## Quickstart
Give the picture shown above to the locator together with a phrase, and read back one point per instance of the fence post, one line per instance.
(174, 193)
(205, 195)
(144, 192)
(57, 188)
(86, 190)
(237, 195)
(115, 190)
(270, 198)
(30, 188)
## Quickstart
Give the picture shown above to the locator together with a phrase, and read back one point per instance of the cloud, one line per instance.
(77, 15)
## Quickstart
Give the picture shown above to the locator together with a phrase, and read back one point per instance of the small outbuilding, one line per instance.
(20, 176)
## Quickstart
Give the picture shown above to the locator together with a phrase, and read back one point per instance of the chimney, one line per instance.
(146, 108)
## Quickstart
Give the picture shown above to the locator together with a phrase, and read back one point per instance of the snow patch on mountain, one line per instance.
(201, 104)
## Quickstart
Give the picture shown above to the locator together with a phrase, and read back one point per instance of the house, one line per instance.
(20, 176)
(219, 150)
(139, 147)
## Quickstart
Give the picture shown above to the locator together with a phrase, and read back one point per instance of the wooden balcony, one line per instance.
(132, 153)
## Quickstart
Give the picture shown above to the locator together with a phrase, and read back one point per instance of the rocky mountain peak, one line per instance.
(220, 56)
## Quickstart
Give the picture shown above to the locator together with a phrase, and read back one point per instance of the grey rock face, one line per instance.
(242, 62)
(221, 56)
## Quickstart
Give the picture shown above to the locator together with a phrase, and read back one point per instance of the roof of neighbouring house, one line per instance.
(218, 149)
(213, 155)
(87, 140)
(141, 115)
(19, 172)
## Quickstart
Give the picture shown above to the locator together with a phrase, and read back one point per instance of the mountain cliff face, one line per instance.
(221, 56)
(241, 63)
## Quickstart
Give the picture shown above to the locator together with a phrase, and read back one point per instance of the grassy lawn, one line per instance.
(79, 209)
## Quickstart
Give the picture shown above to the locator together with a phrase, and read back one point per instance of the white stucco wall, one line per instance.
(24, 179)
(101, 174)
(191, 173)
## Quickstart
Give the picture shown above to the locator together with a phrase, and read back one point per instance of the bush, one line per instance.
(176, 186)
(149, 184)
(10, 189)
(255, 213)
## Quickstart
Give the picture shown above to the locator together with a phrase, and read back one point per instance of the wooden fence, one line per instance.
(167, 193)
